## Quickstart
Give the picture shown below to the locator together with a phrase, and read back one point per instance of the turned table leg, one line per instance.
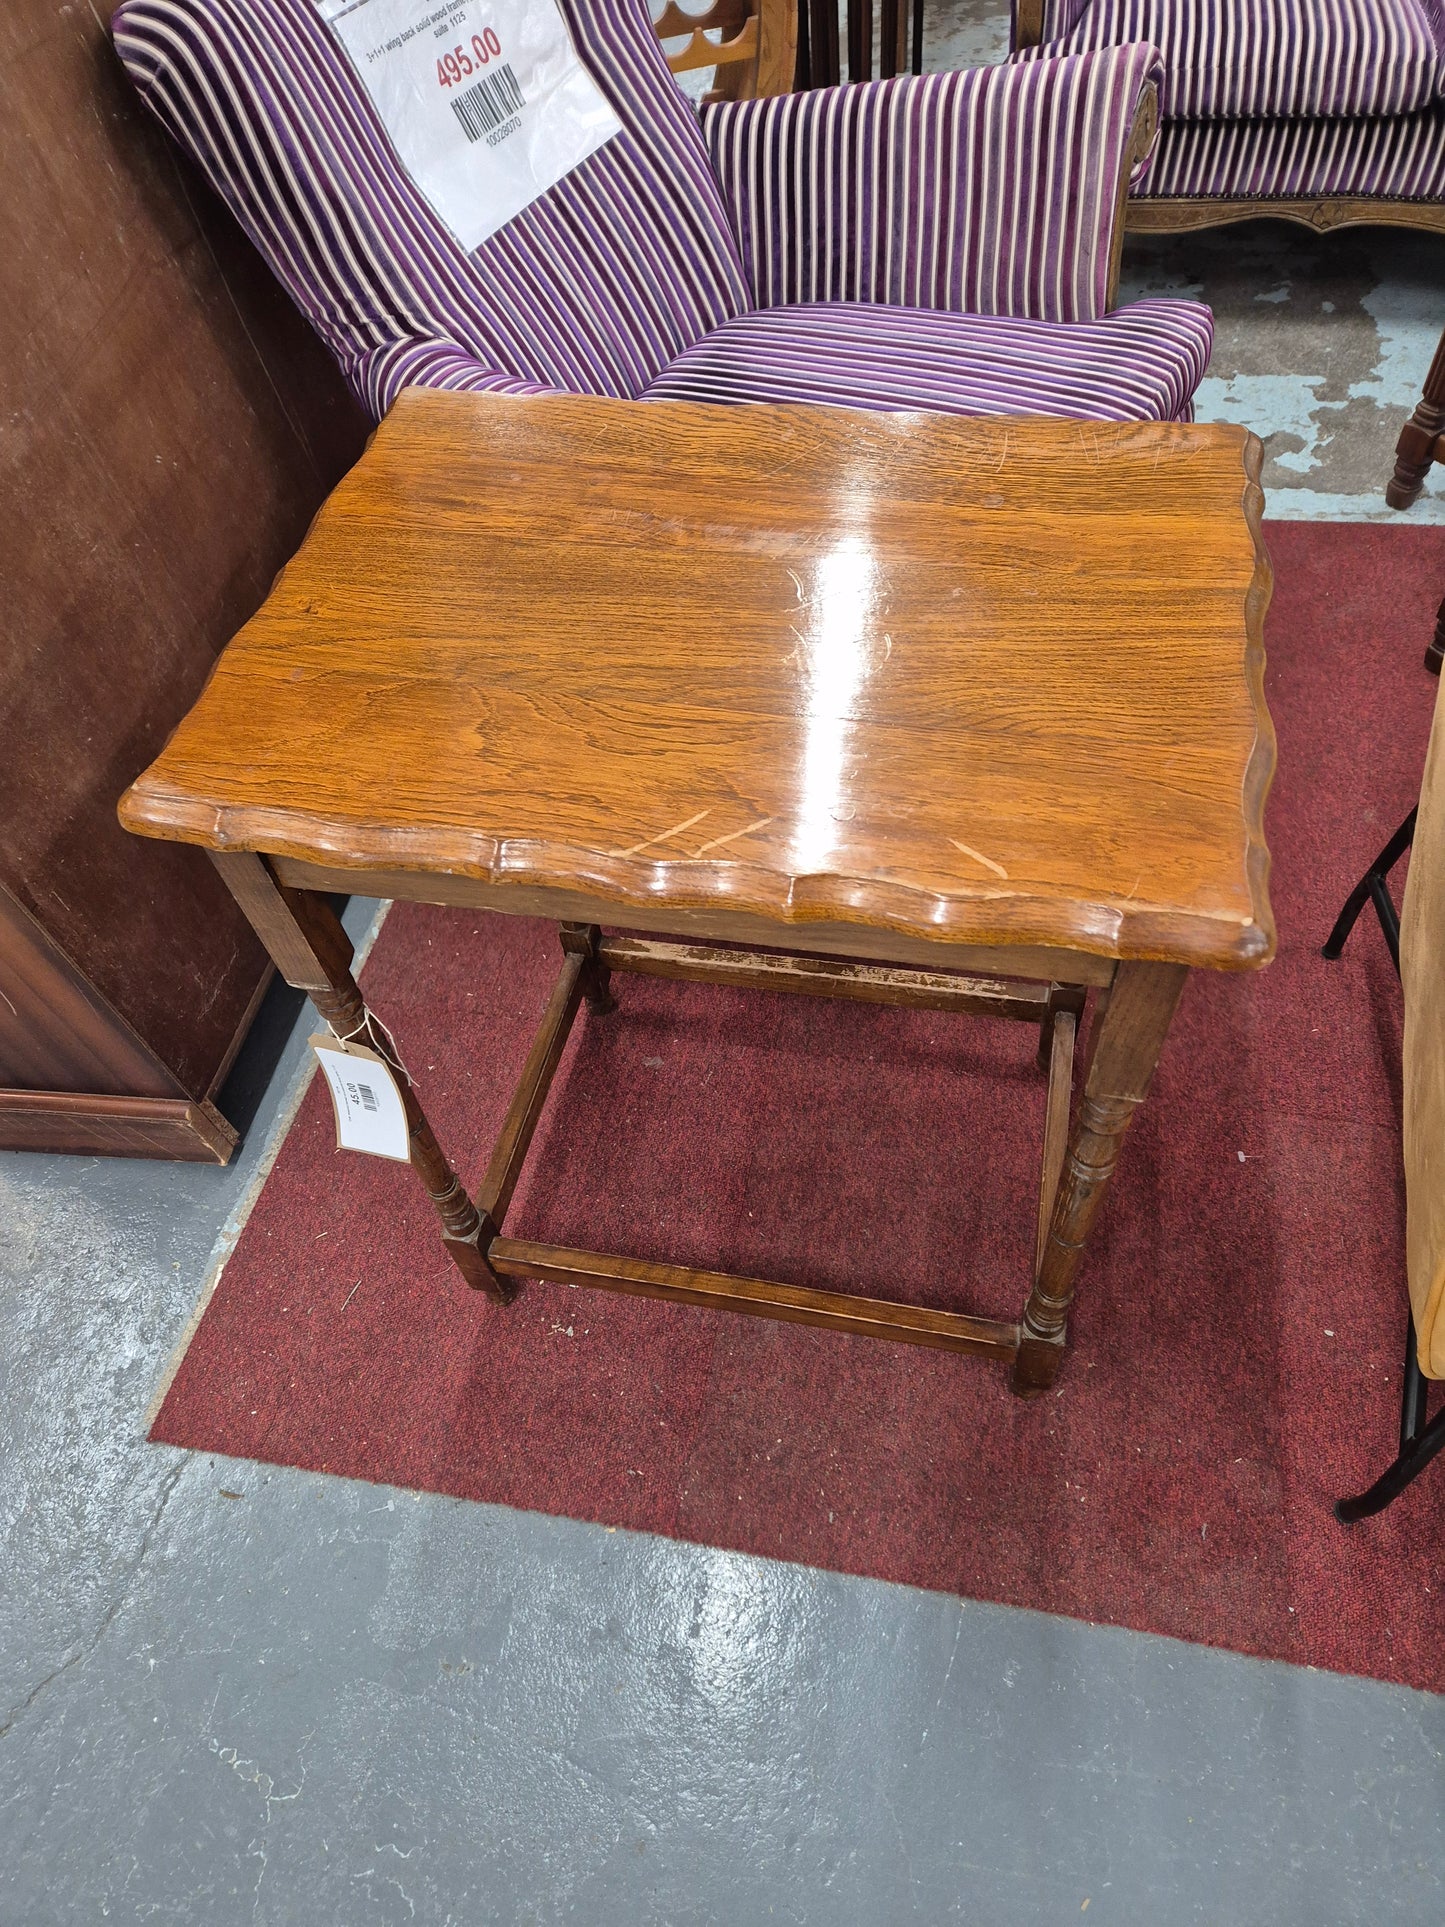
(313, 953)
(1419, 438)
(1125, 1047)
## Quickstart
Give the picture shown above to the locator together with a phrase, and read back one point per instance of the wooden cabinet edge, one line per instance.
(72, 1123)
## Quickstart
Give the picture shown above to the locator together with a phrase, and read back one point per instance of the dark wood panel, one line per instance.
(56, 1031)
(170, 426)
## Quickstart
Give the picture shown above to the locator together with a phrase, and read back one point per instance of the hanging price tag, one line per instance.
(485, 101)
(369, 1112)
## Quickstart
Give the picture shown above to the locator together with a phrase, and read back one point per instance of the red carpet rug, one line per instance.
(1236, 1343)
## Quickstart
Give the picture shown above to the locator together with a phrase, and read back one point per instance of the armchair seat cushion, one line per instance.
(1247, 59)
(1140, 363)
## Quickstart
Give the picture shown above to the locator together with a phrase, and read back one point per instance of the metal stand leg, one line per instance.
(1372, 888)
(1419, 1443)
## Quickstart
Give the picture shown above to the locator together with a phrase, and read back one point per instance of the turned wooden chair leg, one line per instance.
(1127, 1038)
(1418, 445)
(313, 953)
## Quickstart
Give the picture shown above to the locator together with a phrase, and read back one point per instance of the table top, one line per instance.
(987, 682)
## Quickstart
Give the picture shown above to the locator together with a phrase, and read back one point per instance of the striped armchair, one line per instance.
(1328, 112)
(946, 243)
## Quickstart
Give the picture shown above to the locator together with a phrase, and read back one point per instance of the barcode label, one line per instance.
(484, 101)
(494, 99)
(366, 1097)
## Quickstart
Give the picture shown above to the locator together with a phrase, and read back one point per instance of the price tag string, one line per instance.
(371, 1023)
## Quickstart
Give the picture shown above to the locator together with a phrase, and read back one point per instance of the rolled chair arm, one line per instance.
(999, 190)
(379, 376)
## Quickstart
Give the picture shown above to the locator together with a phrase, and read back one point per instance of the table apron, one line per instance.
(710, 923)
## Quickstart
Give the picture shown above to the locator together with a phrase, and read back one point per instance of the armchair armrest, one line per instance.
(379, 376)
(999, 190)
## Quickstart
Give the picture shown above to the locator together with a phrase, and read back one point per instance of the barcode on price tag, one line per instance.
(370, 1115)
(494, 100)
(485, 101)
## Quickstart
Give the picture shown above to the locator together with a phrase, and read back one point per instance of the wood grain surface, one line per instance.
(991, 682)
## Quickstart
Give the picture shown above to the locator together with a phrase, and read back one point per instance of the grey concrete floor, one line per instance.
(235, 1693)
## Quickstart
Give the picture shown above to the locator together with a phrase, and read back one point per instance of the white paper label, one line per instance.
(364, 1096)
(485, 101)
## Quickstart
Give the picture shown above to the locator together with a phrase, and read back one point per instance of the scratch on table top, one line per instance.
(733, 835)
(979, 857)
(662, 835)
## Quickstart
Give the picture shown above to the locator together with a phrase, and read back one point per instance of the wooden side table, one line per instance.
(964, 714)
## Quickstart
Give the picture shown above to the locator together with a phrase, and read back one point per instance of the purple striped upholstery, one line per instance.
(593, 288)
(1282, 99)
(1237, 59)
(380, 376)
(990, 192)
(1141, 363)
(997, 189)
(1402, 158)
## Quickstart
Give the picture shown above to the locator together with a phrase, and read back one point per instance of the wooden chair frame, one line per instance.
(755, 58)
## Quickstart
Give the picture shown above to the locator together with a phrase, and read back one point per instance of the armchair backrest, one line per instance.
(594, 288)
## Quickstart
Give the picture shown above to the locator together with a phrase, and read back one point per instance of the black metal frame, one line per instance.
(1419, 1441)
(1373, 887)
